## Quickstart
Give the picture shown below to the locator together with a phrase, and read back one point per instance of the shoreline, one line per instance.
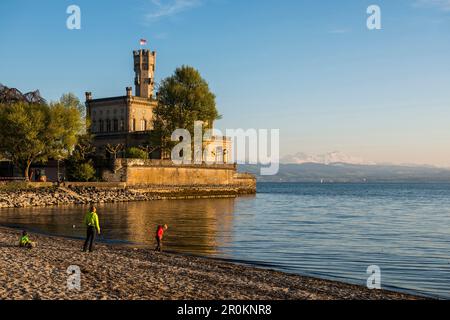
(36, 195)
(122, 272)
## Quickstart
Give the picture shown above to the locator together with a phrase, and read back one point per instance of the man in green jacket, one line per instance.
(92, 224)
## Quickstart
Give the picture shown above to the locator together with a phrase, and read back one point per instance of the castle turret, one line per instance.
(144, 67)
(129, 92)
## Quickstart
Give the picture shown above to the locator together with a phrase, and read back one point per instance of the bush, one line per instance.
(81, 172)
(136, 153)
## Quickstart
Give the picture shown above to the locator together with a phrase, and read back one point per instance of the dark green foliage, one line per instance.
(183, 98)
(32, 132)
(136, 153)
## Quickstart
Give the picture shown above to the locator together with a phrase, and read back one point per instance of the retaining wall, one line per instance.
(136, 172)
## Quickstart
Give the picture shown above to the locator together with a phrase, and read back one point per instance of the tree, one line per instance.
(183, 98)
(36, 132)
(12, 95)
(65, 124)
(82, 172)
(136, 153)
(149, 149)
(70, 100)
(114, 149)
(21, 133)
(84, 150)
(79, 166)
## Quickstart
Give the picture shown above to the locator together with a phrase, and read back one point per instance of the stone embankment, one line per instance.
(32, 196)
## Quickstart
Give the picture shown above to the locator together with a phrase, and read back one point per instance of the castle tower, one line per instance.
(144, 67)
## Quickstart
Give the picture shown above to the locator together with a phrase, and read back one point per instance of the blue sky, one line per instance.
(308, 67)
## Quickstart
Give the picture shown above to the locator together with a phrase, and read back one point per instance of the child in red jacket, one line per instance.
(159, 236)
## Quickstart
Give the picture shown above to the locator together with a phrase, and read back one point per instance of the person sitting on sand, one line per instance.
(92, 224)
(25, 241)
(159, 236)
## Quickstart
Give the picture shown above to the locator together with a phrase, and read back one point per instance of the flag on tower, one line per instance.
(143, 42)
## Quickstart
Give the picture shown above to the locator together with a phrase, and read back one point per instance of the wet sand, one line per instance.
(115, 272)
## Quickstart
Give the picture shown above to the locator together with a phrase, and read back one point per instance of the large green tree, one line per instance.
(70, 100)
(183, 98)
(36, 132)
(80, 164)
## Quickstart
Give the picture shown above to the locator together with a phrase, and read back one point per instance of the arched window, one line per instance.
(108, 125)
(101, 126)
(219, 155)
(122, 125)
(225, 156)
(94, 126)
(143, 125)
(116, 125)
(133, 125)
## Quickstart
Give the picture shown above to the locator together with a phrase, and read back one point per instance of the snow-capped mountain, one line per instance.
(327, 158)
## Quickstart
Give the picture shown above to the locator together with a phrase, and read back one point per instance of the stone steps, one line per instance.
(73, 194)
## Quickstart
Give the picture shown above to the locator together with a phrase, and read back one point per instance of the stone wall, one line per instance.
(245, 182)
(136, 172)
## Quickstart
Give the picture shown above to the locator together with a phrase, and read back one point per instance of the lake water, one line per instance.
(331, 231)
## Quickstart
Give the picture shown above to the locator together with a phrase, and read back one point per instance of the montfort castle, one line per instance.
(127, 120)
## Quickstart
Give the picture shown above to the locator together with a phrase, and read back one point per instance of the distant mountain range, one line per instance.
(327, 158)
(338, 167)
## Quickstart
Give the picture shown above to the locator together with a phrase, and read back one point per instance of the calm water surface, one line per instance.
(332, 231)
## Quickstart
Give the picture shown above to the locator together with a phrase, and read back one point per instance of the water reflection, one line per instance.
(195, 226)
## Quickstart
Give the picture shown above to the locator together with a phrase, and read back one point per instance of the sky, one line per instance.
(310, 68)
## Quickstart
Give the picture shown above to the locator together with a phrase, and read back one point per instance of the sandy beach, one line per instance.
(115, 272)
